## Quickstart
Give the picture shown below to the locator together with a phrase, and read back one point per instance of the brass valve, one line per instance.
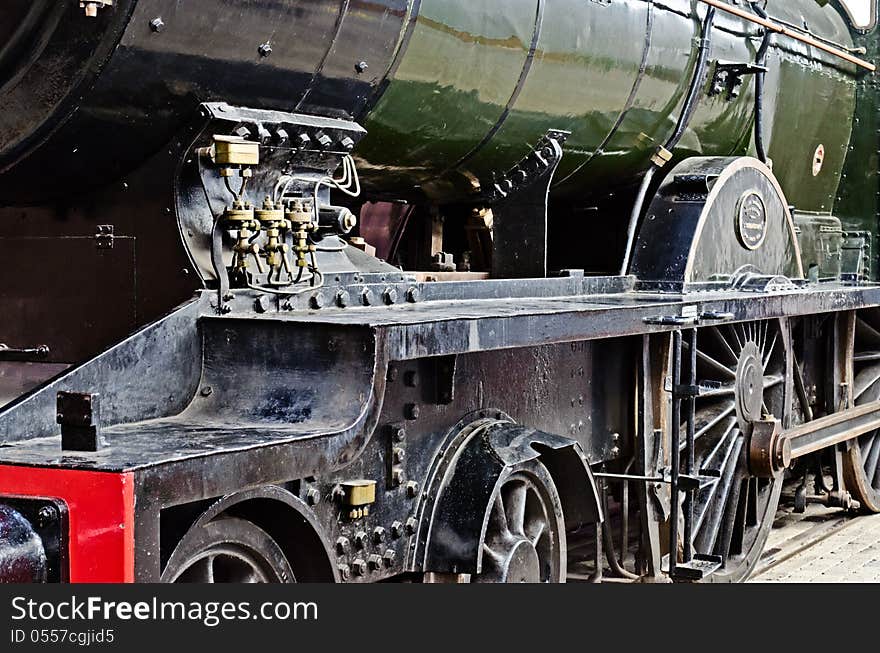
(301, 215)
(241, 218)
(274, 224)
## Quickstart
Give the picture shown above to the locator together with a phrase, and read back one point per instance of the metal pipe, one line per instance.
(785, 31)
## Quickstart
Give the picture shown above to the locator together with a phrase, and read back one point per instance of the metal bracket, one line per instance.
(79, 415)
(728, 78)
(519, 203)
(104, 236)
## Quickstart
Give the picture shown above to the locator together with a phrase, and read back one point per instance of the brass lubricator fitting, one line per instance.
(301, 214)
(241, 218)
(271, 217)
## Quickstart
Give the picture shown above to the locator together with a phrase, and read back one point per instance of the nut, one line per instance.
(411, 525)
(378, 535)
(388, 557)
(412, 489)
(359, 566)
(344, 571)
(360, 539)
(313, 496)
(397, 530)
(342, 545)
(374, 561)
(390, 296)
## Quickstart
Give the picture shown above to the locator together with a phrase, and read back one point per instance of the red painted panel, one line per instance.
(101, 513)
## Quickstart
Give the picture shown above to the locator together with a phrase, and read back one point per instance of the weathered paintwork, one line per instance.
(453, 91)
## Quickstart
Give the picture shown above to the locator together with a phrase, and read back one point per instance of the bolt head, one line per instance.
(342, 545)
(347, 143)
(390, 296)
(412, 489)
(359, 567)
(397, 530)
(388, 557)
(344, 571)
(398, 455)
(265, 50)
(303, 140)
(367, 297)
(157, 24)
(263, 304)
(361, 67)
(397, 476)
(360, 539)
(374, 561)
(413, 295)
(378, 535)
(313, 496)
(398, 432)
(46, 516)
(317, 301)
(411, 525)
(412, 411)
(343, 299)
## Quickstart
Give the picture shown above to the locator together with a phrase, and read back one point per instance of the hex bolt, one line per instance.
(359, 566)
(265, 50)
(413, 295)
(347, 143)
(397, 530)
(388, 557)
(303, 140)
(361, 67)
(398, 433)
(263, 304)
(324, 140)
(412, 411)
(412, 489)
(360, 539)
(280, 135)
(390, 296)
(343, 299)
(243, 132)
(46, 516)
(411, 525)
(378, 535)
(397, 455)
(344, 571)
(367, 297)
(317, 301)
(397, 476)
(207, 391)
(157, 24)
(342, 545)
(374, 561)
(313, 497)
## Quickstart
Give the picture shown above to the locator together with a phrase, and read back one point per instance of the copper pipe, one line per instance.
(785, 31)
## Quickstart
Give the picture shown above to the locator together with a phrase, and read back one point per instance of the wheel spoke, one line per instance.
(721, 369)
(722, 441)
(773, 380)
(867, 380)
(708, 533)
(871, 459)
(769, 354)
(752, 502)
(712, 417)
(866, 331)
(725, 346)
(728, 526)
(705, 507)
(515, 507)
(498, 518)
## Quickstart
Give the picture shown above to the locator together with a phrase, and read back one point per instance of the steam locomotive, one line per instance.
(432, 290)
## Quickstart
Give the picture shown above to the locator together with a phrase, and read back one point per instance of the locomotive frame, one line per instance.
(382, 426)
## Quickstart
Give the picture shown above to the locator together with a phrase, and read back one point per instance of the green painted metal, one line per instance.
(858, 203)
(480, 81)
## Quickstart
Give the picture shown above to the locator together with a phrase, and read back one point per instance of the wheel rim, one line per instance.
(744, 365)
(228, 550)
(525, 539)
(862, 461)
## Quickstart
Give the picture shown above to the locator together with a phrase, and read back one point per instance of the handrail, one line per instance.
(793, 34)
